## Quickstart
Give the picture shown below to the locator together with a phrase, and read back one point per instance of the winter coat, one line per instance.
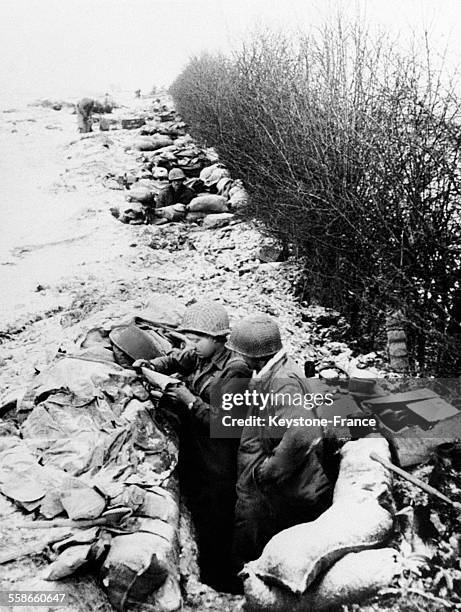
(169, 196)
(271, 463)
(84, 109)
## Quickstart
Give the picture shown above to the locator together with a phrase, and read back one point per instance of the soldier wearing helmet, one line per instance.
(85, 109)
(281, 479)
(208, 466)
(176, 192)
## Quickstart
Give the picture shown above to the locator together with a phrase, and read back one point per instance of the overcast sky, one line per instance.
(77, 47)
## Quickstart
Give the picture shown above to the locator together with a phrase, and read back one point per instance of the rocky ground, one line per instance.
(86, 267)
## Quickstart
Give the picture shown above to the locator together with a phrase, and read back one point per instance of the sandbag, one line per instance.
(195, 216)
(351, 579)
(139, 563)
(147, 181)
(296, 556)
(82, 503)
(133, 210)
(152, 143)
(208, 204)
(224, 186)
(144, 144)
(133, 123)
(238, 198)
(168, 131)
(212, 174)
(160, 504)
(356, 521)
(217, 220)
(168, 597)
(163, 309)
(174, 212)
(361, 478)
(161, 141)
(148, 130)
(68, 562)
(141, 194)
(159, 173)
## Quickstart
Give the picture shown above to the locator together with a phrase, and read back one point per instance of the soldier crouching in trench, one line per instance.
(207, 465)
(282, 477)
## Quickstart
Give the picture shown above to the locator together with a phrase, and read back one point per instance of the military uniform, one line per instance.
(208, 466)
(169, 196)
(84, 109)
(272, 492)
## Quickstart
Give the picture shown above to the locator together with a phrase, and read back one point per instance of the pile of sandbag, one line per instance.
(93, 447)
(140, 198)
(165, 146)
(336, 559)
(173, 129)
(238, 196)
(182, 153)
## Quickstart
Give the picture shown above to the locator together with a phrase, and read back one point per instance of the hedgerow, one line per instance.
(350, 149)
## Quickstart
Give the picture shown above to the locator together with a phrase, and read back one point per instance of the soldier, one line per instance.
(176, 192)
(208, 466)
(281, 479)
(85, 109)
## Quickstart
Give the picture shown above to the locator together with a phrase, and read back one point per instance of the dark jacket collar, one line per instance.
(221, 357)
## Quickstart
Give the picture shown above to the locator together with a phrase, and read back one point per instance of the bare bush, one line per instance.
(350, 150)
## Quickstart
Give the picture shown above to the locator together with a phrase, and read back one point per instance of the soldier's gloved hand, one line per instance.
(181, 394)
(142, 363)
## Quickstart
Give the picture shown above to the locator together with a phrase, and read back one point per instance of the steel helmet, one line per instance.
(255, 336)
(209, 318)
(176, 174)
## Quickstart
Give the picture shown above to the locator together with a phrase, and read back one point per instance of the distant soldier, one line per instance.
(85, 109)
(137, 93)
(108, 104)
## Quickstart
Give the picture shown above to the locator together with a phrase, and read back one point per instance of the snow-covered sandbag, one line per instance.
(224, 186)
(212, 174)
(356, 521)
(141, 194)
(68, 562)
(139, 563)
(161, 140)
(159, 172)
(144, 144)
(360, 477)
(195, 216)
(208, 204)
(207, 172)
(239, 199)
(152, 143)
(174, 212)
(296, 556)
(82, 503)
(217, 220)
(163, 308)
(352, 579)
(136, 208)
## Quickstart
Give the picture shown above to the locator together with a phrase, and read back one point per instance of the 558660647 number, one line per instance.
(34, 598)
